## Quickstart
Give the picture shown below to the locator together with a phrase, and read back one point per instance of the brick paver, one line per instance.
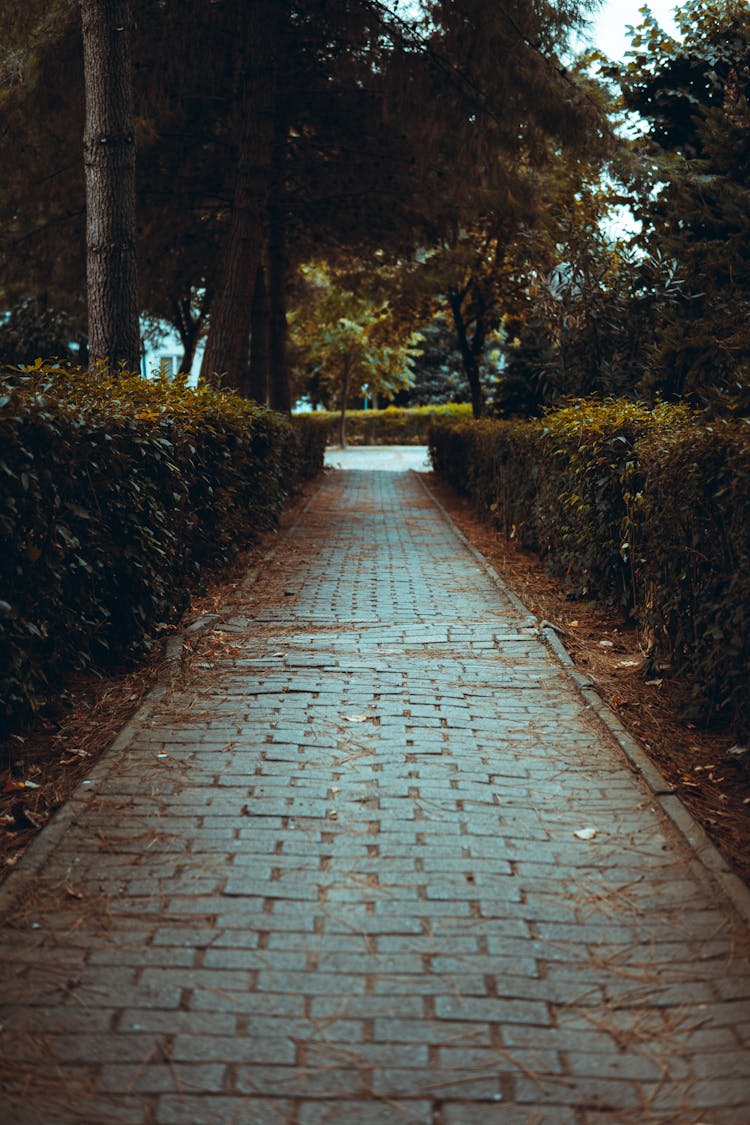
(333, 876)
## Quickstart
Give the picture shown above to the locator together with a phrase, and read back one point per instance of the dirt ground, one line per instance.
(42, 765)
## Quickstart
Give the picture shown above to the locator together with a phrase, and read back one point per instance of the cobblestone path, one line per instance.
(332, 874)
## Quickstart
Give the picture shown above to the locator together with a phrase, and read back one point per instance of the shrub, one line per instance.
(694, 563)
(558, 484)
(115, 494)
(311, 433)
(587, 469)
(650, 508)
(392, 426)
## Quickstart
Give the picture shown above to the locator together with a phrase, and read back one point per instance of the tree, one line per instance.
(259, 35)
(437, 371)
(692, 190)
(391, 136)
(42, 261)
(349, 342)
(587, 303)
(109, 162)
(495, 110)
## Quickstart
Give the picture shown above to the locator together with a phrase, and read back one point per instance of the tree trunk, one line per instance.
(189, 328)
(109, 165)
(280, 391)
(229, 330)
(279, 366)
(470, 352)
(345, 384)
(259, 340)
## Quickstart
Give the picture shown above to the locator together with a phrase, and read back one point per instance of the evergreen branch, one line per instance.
(407, 30)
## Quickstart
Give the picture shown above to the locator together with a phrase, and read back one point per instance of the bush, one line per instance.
(115, 494)
(694, 563)
(311, 433)
(559, 485)
(392, 426)
(649, 508)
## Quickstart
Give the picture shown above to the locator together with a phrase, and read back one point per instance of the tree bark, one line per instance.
(280, 391)
(470, 351)
(345, 385)
(109, 164)
(260, 340)
(189, 327)
(229, 330)
(279, 365)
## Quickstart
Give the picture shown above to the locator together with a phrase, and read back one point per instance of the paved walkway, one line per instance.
(371, 860)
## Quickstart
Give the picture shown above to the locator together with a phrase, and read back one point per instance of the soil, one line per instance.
(43, 765)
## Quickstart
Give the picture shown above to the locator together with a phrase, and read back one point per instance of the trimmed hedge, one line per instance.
(648, 508)
(693, 566)
(115, 494)
(392, 426)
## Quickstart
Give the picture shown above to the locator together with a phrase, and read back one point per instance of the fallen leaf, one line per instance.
(357, 718)
(627, 663)
(585, 833)
(654, 683)
(71, 892)
(607, 644)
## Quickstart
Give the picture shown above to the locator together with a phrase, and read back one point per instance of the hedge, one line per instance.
(115, 495)
(693, 526)
(392, 426)
(645, 507)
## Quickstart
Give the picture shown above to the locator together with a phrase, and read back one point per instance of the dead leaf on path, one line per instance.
(358, 718)
(585, 833)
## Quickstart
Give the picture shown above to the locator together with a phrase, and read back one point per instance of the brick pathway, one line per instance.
(334, 876)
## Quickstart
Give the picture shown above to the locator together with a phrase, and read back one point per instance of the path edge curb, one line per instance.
(704, 850)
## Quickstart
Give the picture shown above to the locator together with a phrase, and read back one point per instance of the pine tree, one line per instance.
(109, 161)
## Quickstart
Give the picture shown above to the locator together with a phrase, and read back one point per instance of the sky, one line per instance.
(608, 25)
